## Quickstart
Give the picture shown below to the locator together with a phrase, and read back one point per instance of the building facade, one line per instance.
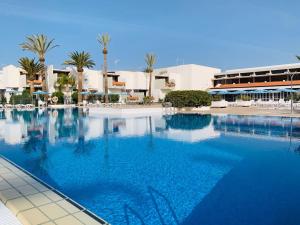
(125, 83)
(264, 83)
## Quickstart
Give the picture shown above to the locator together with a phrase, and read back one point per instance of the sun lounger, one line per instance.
(8, 106)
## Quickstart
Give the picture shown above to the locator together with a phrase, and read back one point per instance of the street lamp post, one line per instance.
(292, 95)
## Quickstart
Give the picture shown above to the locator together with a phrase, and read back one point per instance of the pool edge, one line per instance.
(16, 178)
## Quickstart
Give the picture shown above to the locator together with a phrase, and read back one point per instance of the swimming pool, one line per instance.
(163, 169)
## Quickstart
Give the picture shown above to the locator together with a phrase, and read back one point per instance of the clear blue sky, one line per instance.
(220, 33)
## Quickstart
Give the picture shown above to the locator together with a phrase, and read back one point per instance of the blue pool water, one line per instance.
(172, 169)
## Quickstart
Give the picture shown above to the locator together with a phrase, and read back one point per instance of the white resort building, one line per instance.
(269, 83)
(129, 84)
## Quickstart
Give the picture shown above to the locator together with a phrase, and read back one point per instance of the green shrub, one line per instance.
(216, 98)
(113, 98)
(188, 98)
(3, 99)
(91, 98)
(187, 121)
(75, 97)
(24, 98)
(148, 100)
(244, 98)
(60, 97)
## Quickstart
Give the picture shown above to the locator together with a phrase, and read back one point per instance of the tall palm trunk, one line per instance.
(150, 84)
(105, 76)
(80, 75)
(31, 87)
(43, 75)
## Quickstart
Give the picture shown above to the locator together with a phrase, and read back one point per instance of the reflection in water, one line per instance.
(139, 170)
(266, 127)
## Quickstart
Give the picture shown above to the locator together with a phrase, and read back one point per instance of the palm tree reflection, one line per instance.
(37, 140)
(82, 145)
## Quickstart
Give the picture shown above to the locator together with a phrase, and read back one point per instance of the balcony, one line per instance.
(169, 86)
(164, 85)
(257, 84)
(115, 84)
(36, 83)
(118, 84)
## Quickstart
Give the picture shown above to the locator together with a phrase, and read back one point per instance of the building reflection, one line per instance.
(77, 126)
(279, 128)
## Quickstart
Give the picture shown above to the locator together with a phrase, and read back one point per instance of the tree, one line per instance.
(64, 82)
(32, 68)
(39, 45)
(104, 41)
(150, 60)
(80, 60)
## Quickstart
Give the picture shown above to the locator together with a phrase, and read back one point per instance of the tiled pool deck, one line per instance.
(34, 202)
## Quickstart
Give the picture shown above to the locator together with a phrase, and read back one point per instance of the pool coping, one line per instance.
(34, 202)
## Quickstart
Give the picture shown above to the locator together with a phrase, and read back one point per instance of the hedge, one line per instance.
(187, 121)
(188, 98)
(60, 97)
(74, 97)
(113, 98)
(24, 98)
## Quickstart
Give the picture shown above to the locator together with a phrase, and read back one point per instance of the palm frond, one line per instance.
(104, 40)
(150, 60)
(31, 67)
(38, 44)
(80, 60)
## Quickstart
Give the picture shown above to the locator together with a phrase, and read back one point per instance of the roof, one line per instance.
(262, 68)
(258, 84)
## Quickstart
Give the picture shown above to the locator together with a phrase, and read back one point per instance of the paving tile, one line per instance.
(4, 162)
(38, 199)
(27, 190)
(4, 185)
(4, 170)
(38, 185)
(53, 211)
(16, 182)
(53, 196)
(86, 219)
(68, 220)
(32, 217)
(48, 223)
(22, 174)
(70, 208)
(9, 194)
(18, 204)
(9, 176)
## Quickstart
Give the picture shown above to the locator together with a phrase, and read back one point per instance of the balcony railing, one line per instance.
(169, 86)
(118, 83)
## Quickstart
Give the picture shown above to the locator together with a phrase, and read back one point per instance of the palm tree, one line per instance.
(39, 45)
(150, 60)
(80, 60)
(32, 68)
(104, 41)
(64, 82)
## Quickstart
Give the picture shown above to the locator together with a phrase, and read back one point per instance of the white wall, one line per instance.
(134, 80)
(92, 79)
(186, 77)
(11, 77)
(51, 78)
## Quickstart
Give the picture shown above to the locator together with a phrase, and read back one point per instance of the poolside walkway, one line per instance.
(35, 203)
(6, 216)
(255, 111)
